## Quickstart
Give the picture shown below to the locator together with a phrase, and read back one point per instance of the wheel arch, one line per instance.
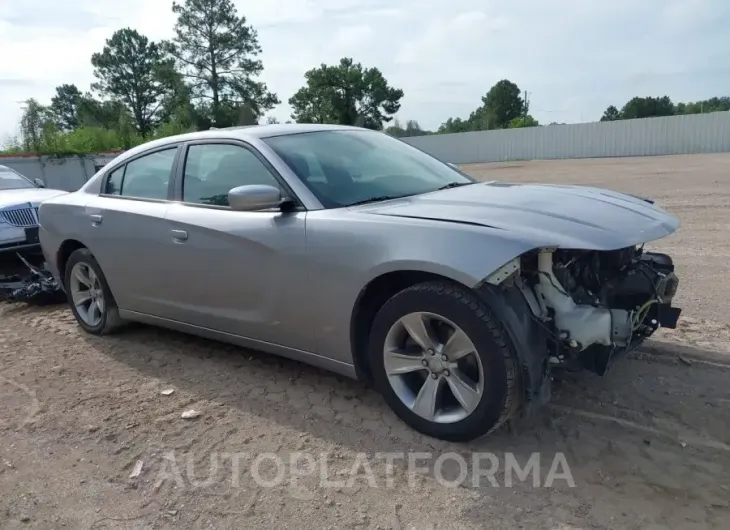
(369, 301)
(527, 337)
(68, 247)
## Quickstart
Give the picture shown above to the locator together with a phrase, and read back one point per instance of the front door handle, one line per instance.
(179, 235)
(96, 219)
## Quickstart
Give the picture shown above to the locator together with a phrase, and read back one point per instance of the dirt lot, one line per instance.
(648, 446)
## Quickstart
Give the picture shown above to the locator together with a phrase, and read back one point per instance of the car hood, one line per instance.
(542, 215)
(31, 196)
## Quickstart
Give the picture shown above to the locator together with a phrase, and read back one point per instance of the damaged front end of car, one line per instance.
(598, 303)
(601, 303)
(580, 309)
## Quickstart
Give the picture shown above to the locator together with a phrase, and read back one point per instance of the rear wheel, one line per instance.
(88, 294)
(443, 363)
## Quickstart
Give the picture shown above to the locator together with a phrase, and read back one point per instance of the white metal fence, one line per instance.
(64, 173)
(671, 135)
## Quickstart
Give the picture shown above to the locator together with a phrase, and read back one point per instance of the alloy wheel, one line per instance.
(433, 367)
(87, 294)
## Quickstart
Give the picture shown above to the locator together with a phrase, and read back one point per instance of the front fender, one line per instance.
(346, 252)
(464, 253)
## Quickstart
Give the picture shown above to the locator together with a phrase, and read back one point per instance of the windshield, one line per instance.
(11, 180)
(346, 167)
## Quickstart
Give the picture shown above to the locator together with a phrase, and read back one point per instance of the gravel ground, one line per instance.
(647, 446)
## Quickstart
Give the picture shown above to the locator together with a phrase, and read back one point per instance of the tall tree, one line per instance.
(217, 52)
(347, 94)
(129, 68)
(504, 103)
(502, 107)
(177, 108)
(35, 124)
(65, 106)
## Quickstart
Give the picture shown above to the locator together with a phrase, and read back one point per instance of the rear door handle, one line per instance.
(179, 235)
(96, 219)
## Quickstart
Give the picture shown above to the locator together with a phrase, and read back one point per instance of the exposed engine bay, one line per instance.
(596, 303)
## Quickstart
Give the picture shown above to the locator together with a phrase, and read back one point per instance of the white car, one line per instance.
(19, 200)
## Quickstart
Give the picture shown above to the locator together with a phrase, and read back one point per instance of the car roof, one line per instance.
(244, 132)
(279, 129)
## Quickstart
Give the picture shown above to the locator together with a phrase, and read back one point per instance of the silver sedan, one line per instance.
(348, 249)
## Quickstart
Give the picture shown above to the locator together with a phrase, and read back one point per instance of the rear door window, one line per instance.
(146, 177)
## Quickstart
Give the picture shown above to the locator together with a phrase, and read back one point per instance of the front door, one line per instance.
(236, 272)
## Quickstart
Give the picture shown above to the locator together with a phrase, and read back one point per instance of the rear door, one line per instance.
(127, 228)
(238, 272)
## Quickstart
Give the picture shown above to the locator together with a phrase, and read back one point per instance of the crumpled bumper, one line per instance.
(29, 283)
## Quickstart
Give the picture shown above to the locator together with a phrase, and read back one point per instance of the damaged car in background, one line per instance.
(22, 275)
(353, 251)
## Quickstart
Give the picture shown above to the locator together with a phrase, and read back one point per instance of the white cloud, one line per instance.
(575, 57)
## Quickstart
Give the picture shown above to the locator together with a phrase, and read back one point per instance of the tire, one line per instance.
(499, 397)
(109, 320)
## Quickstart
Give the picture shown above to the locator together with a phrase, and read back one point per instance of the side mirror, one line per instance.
(254, 197)
(39, 183)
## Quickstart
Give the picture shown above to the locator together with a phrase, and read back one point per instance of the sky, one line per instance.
(573, 57)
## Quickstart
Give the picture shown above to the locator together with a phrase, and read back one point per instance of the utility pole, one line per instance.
(527, 106)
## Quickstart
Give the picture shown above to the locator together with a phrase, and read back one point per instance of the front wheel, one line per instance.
(443, 363)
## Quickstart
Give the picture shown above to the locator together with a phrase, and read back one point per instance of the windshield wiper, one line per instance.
(454, 185)
(373, 199)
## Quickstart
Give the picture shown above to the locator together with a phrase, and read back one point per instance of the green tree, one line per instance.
(130, 68)
(177, 112)
(36, 123)
(483, 119)
(347, 94)
(102, 114)
(611, 114)
(454, 125)
(523, 121)
(500, 107)
(247, 115)
(715, 104)
(412, 128)
(648, 107)
(503, 103)
(217, 53)
(65, 106)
